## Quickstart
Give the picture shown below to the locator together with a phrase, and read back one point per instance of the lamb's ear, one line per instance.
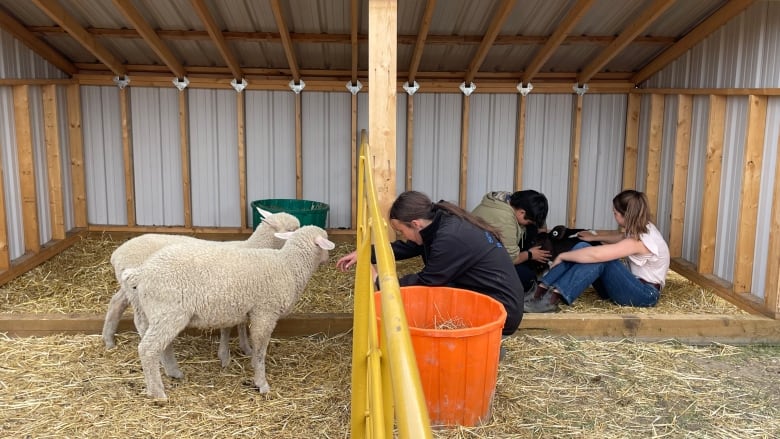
(284, 235)
(264, 215)
(324, 243)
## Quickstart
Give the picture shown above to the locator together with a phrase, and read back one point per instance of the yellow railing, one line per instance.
(385, 380)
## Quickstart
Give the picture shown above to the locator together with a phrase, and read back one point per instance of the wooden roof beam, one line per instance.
(692, 38)
(57, 13)
(284, 33)
(487, 40)
(218, 38)
(354, 10)
(645, 19)
(50, 54)
(150, 36)
(555, 40)
(422, 35)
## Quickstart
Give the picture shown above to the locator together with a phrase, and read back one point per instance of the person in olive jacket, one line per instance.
(458, 250)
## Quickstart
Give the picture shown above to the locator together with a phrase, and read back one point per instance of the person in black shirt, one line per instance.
(458, 250)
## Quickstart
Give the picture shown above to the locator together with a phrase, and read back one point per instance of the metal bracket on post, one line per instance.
(467, 89)
(411, 89)
(239, 86)
(580, 90)
(524, 90)
(354, 88)
(121, 82)
(182, 83)
(297, 87)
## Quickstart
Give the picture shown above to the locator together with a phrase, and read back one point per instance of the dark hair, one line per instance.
(635, 209)
(534, 204)
(412, 205)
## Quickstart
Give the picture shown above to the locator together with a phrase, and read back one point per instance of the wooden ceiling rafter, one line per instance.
(37, 45)
(218, 39)
(320, 38)
(57, 13)
(354, 11)
(422, 36)
(487, 41)
(145, 30)
(284, 33)
(696, 35)
(645, 19)
(556, 39)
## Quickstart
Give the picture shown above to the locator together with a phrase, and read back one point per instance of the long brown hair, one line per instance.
(635, 209)
(412, 205)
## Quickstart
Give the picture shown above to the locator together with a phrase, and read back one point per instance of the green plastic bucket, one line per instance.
(309, 213)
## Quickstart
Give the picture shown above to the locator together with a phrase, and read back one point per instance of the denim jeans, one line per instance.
(610, 279)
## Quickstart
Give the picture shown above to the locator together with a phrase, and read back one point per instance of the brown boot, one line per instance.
(549, 302)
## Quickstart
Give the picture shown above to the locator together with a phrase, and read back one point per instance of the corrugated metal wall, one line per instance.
(695, 183)
(769, 164)
(10, 167)
(547, 151)
(270, 146)
(103, 163)
(214, 158)
(157, 156)
(19, 62)
(41, 170)
(492, 144)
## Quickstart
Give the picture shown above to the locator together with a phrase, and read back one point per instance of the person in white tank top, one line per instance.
(639, 283)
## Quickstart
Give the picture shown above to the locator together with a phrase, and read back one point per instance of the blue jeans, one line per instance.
(611, 279)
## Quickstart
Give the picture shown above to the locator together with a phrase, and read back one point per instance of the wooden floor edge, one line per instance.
(685, 328)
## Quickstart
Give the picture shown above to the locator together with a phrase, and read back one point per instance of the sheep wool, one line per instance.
(216, 287)
(135, 251)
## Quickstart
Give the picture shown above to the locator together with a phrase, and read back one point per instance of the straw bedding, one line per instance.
(71, 386)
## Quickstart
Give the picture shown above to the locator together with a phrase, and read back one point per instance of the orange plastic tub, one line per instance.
(456, 335)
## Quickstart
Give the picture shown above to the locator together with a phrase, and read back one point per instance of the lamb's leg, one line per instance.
(169, 363)
(158, 336)
(260, 331)
(243, 339)
(224, 346)
(116, 307)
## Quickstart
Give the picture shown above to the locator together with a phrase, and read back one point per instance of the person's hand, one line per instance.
(556, 261)
(588, 235)
(539, 254)
(346, 262)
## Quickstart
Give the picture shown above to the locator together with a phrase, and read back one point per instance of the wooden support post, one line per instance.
(751, 187)
(184, 147)
(631, 152)
(76, 141)
(464, 151)
(409, 141)
(354, 159)
(5, 257)
(26, 168)
(520, 142)
(655, 145)
(127, 150)
(53, 161)
(298, 147)
(382, 84)
(240, 118)
(574, 161)
(713, 168)
(680, 180)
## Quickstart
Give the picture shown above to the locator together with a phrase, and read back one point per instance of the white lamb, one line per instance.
(216, 287)
(135, 251)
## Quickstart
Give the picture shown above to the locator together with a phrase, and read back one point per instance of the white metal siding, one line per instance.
(547, 151)
(157, 156)
(19, 62)
(745, 52)
(601, 159)
(694, 192)
(10, 171)
(663, 211)
(41, 170)
(327, 153)
(270, 146)
(437, 128)
(492, 141)
(103, 161)
(214, 158)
